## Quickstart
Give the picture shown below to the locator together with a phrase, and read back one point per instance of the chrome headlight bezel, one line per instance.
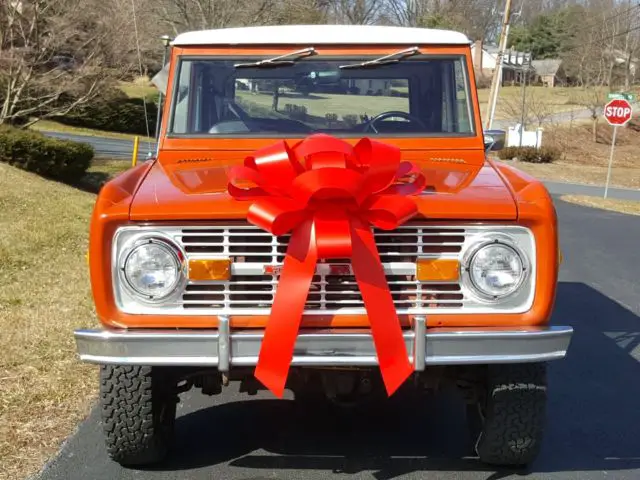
(482, 242)
(173, 249)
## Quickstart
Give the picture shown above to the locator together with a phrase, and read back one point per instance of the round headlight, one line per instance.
(153, 269)
(496, 270)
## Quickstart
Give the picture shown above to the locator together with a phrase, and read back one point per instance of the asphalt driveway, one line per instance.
(593, 420)
(106, 147)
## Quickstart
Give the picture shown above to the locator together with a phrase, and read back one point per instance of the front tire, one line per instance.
(138, 413)
(507, 423)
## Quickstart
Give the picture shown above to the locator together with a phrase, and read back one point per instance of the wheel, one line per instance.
(508, 423)
(138, 413)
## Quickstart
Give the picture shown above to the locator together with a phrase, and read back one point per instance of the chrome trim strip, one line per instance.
(420, 343)
(224, 349)
(321, 348)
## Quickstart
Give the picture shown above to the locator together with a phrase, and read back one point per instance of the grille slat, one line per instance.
(251, 290)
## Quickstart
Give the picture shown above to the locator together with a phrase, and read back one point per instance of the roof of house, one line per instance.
(321, 34)
(510, 59)
(488, 48)
(548, 66)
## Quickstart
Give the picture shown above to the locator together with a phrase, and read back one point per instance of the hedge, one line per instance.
(115, 112)
(530, 154)
(49, 157)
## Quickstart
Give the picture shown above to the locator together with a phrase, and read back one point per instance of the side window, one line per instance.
(181, 107)
(462, 97)
(455, 101)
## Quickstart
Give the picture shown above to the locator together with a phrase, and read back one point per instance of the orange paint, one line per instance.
(462, 185)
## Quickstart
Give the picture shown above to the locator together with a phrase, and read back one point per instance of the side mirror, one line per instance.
(494, 140)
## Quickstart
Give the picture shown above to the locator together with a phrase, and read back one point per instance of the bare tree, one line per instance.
(357, 12)
(537, 111)
(592, 58)
(410, 13)
(54, 57)
(476, 18)
(286, 12)
(591, 98)
(631, 41)
(184, 15)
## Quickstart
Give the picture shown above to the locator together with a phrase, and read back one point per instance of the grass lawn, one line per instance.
(54, 126)
(322, 103)
(622, 206)
(547, 101)
(587, 174)
(558, 99)
(133, 90)
(44, 296)
(586, 161)
(136, 90)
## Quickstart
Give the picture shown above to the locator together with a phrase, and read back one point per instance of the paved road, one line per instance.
(108, 147)
(561, 188)
(560, 117)
(593, 420)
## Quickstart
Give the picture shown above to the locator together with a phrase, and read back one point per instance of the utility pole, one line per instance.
(497, 73)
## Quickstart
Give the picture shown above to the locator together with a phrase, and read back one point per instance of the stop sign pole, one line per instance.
(617, 113)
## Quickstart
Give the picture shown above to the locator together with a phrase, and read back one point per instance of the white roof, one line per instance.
(310, 35)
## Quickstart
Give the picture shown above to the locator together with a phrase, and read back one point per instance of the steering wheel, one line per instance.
(393, 113)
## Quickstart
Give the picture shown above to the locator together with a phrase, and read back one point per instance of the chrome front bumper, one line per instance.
(322, 347)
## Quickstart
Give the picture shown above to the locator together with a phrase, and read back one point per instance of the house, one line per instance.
(620, 71)
(485, 59)
(548, 72)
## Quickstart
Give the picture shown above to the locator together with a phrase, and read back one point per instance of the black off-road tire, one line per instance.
(508, 423)
(138, 413)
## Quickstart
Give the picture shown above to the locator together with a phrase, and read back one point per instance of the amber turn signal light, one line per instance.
(212, 269)
(437, 270)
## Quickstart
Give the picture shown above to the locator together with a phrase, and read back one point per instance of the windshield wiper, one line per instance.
(392, 58)
(280, 60)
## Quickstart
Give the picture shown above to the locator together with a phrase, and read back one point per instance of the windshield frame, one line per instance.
(462, 57)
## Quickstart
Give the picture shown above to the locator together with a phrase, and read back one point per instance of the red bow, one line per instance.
(329, 194)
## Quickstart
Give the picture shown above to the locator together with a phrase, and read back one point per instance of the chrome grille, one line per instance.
(327, 293)
(251, 245)
(251, 290)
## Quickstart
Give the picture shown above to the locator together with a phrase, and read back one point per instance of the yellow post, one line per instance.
(134, 158)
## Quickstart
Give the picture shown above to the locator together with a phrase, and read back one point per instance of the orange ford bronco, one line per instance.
(184, 278)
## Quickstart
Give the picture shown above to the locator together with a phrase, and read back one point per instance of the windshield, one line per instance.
(417, 96)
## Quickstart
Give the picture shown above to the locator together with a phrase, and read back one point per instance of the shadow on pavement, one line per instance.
(593, 416)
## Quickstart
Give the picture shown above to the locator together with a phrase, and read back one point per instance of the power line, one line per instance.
(601, 22)
(602, 39)
(606, 19)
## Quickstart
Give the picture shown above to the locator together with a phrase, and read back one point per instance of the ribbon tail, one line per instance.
(286, 312)
(393, 357)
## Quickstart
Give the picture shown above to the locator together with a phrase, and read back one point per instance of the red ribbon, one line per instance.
(328, 194)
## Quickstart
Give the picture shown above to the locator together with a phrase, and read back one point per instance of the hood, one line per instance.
(195, 188)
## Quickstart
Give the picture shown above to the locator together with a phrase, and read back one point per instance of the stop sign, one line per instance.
(618, 112)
